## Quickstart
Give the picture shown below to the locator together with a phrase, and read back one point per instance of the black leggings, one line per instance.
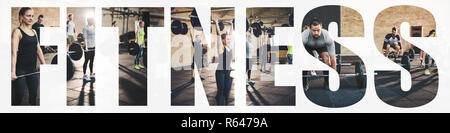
(19, 86)
(89, 57)
(248, 68)
(223, 82)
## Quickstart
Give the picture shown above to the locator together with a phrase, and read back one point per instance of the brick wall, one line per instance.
(51, 16)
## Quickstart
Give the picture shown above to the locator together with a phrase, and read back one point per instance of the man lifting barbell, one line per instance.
(318, 41)
(394, 41)
(25, 49)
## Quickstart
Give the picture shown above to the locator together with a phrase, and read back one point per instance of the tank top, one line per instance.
(224, 60)
(26, 53)
(141, 37)
(289, 49)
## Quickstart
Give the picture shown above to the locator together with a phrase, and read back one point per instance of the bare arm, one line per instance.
(85, 39)
(136, 36)
(220, 47)
(333, 62)
(16, 35)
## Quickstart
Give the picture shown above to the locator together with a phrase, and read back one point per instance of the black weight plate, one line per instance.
(184, 29)
(221, 26)
(195, 21)
(176, 27)
(55, 59)
(133, 49)
(256, 29)
(70, 68)
(75, 51)
(406, 62)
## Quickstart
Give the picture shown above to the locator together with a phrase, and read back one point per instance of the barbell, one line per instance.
(359, 75)
(406, 63)
(70, 68)
(76, 51)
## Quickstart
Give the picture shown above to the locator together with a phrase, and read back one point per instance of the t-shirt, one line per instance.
(289, 49)
(37, 27)
(323, 41)
(249, 48)
(391, 39)
(89, 35)
(70, 28)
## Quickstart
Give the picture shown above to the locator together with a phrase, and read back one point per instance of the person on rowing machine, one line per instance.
(25, 50)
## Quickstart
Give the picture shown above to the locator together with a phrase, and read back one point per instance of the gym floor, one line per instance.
(423, 88)
(132, 82)
(76, 96)
(264, 92)
(133, 87)
(183, 89)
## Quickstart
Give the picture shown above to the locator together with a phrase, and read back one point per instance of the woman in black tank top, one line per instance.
(25, 51)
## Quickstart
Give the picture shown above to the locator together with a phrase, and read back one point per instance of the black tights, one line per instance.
(89, 57)
(19, 86)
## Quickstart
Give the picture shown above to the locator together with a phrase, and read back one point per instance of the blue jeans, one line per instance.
(223, 81)
(137, 61)
(289, 56)
(19, 86)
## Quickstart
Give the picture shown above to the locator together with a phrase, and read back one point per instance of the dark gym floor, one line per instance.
(76, 96)
(264, 92)
(132, 82)
(424, 88)
(183, 89)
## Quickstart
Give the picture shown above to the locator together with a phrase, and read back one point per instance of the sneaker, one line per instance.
(136, 67)
(313, 73)
(85, 77)
(427, 72)
(141, 66)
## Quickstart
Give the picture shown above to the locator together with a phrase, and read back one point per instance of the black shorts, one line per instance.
(317, 51)
(391, 45)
